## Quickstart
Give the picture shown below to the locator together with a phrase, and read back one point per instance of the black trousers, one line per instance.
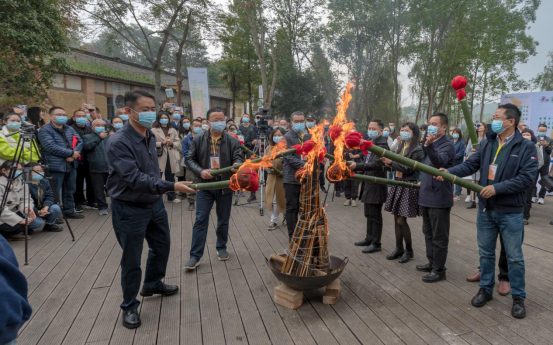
(543, 171)
(83, 173)
(99, 186)
(435, 227)
(322, 180)
(351, 189)
(339, 186)
(169, 176)
(292, 195)
(373, 213)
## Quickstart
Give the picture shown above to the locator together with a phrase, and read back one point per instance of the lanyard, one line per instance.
(498, 149)
(213, 146)
(404, 147)
(300, 139)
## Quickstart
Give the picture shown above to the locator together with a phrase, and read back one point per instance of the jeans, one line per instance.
(191, 197)
(223, 205)
(435, 227)
(13, 342)
(99, 186)
(489, 225)
(7, 230)
(292, 195)
(55, 212)
(132, 225)
(65, 181)
(456, 190)
(373, 213)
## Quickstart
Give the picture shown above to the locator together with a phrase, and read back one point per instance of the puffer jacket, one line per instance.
(57, 145)
(14, 201)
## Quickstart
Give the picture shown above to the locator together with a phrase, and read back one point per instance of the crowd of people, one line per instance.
(140, 155)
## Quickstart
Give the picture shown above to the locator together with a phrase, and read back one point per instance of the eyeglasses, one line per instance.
(61, 114)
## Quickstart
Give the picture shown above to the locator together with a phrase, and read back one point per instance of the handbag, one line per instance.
(159, 151)
(547, 183)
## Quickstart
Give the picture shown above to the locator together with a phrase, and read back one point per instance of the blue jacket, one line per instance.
(14, 306)
(434, 193)
(47, 194)
(517, 173)
(186, 141)
(460, 148)
(56, 148)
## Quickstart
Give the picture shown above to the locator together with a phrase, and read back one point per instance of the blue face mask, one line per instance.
(385, 133)
(18, 174)
(284, 128)
(432, 130)
(61, 120)
(405, 136)
(246, 120)
(23, 118)
(497, 126)
(392, 128)
(125, 118)
(423, 133)
(455, 136)
(310, 124)
(197, 130)
(176, 117)
(186, 125)
(88, 117)
(117, 125)
(372, 134)
(164, 121)
(81, 121)
(37, 177)
(277, 139)
(146, 118)
(14, 125)
(218, 126)
(256, 121)
(299, 127)
(99, 129)
(275, 127)
(205, 127)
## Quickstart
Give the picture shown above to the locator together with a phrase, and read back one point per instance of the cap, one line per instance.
(310, 117)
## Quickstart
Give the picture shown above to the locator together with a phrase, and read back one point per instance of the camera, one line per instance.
(263, 125)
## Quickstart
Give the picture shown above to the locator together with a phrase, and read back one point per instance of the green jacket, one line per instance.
(95, 148)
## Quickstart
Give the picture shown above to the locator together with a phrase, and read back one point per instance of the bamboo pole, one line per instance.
(257, 160)
(210, 185)
(248, 151)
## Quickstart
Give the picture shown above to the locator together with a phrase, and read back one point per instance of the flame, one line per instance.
(339, 171)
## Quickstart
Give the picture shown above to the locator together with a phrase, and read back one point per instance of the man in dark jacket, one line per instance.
(213, 149)
(82, 127)
(43, 198)
(61, 147)
(436, 199)
(290, 164)
(248, 130)
(545, 144)
(508, 166)
(95, 148)
(373, 195)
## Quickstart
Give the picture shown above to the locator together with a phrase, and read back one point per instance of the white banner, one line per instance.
(536, 107)
(199, 91)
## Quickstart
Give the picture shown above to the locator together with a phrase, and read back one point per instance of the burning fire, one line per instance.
(339, 171)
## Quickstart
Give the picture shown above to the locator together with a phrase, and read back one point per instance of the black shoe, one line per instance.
(52, 228)
(424, 268)
(30, 231)
(396, 254)
(481, 298)
(433, 277)
(165, 290)
(338, 194)
(525, 221)
(191, 207)
(472, 205)
(551, 222)
(59, 221)
(73, 216)
(518, 310)
(251, 198)
(323, 189)
(408, 255)
(363, 243)
(371, 249)
(78, 209)
(131, 319)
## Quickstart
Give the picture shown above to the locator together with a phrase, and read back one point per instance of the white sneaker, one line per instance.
(534, 199)
(353, 203)
(176, 201)
(347, 202)
(456, 198)
(541, 201)
(468, 199)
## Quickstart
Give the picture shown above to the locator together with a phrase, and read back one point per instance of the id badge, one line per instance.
(492, 171)
(399, 174)
(215, 162)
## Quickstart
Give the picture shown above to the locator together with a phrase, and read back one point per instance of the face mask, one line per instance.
(455, 136)
(256, 121)
(18, 174)
(392, 128)
(118, 125)
(238, 132)
(186, 125)
(299, 127)
(246, 120)
(497, 126)
(527, 137)
(81, 121)
(37, 177)
(61, 120)
(277, 139)
(14, 125)
(88, 116)
(164, 121)
(541, 134)
(372, 134)
(176, 117)
(146, 118)
(275, 127)
(310, 124)
(218, 126)
(205, 127)
(198, 130)
(284, 128)
(432, 130)
(405, 136)
(125, 118)
(385, 133)
(451, 133)
(23, 118)
(99, 129)
(423, 133)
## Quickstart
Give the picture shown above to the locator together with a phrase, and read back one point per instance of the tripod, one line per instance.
(26, 135)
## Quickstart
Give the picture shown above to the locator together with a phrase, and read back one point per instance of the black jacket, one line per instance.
(434, 193)
(547, 152)
(372, 193)
(95, 148)
(409, 174)
(47, 194)
(199, 151)
(291, 163)
(249, 133)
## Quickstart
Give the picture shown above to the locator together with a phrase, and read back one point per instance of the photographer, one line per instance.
(8, 141)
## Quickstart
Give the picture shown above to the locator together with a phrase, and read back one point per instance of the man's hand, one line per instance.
(233, 170)
(350, 155)
(487, 192)
(439, 178)
(386, 161)
(473, 150)
(103, 135)
(206, 175)
(254, 142)
(43, 212)
(542, 143)
(76, 154)
(430, 138)
(70, 159)
(182, 187)
(352, 165)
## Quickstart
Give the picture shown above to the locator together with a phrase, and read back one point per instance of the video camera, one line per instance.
(263, 123)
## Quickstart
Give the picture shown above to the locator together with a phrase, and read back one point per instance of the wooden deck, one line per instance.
(74, 288)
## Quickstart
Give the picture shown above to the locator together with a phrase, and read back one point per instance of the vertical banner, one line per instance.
(199, 91)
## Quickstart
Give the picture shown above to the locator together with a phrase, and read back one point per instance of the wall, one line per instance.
(70, 101)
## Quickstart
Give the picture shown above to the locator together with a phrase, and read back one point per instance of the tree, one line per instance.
(544, 80)
(34, 34)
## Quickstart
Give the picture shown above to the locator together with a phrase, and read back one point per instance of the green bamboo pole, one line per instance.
(236, 166)
(383, 181)
(248, 151)
(210, 185)
(470, 125)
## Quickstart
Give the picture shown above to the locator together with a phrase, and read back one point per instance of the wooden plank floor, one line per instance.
(74, 288)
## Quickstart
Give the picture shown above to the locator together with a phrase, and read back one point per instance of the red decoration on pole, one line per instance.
(334, 132)
(354, 140)
(459, 83)
(246, 179)
(305, 148)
